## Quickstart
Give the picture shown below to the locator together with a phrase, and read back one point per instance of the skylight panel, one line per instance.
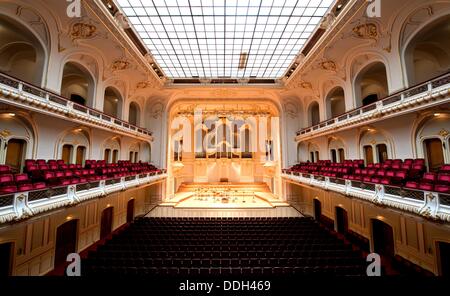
(206, 38)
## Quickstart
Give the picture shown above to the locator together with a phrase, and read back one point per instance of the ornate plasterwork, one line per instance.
(5, 133)
(443, 133)
(328, 65)
(366, 31)
(82, 31)
(120, 65)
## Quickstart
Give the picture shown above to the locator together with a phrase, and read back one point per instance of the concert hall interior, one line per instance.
(224, 137)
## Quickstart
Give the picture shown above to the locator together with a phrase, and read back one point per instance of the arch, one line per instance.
(22, 53)
(66, 241)
(313, 152)
(313, 114)
(78, 84)
(370, 142)
(371, 84)
(338, 146)
(71, 143)
(134, 114)
(426, 54)
(111, 149)
(335, 102)
(134, 152)
(146, 152)
(432, 127)
(20, 136)
(113, 101)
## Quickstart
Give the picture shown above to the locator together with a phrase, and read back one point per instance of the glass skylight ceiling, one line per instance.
(205, 38)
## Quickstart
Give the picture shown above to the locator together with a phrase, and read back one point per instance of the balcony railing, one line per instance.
(21, 205)
(48, 100)
(431, 205)
(400, 97)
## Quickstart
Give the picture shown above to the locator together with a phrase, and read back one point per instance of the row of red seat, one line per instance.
(408, 173)
(54, 173)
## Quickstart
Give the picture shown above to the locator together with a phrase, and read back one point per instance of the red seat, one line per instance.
(4, 169)
(443, 179)
(8, 189)
(445, 169)
(52, 162)
(412, 185)
(39, 185)
(41, 162)
(60, 162)
(21, 179)
(419, 161)
(25, 187)
(426, 186)
(6, 180)
(429, 178)
(442, 188)
(30, 162)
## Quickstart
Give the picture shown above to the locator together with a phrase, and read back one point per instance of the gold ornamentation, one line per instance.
(120, 65)
(443, 133)
(5, 133)
(328, 65)
(306, 85)
(373, 142)
(82, 31)
(366, 31)
(143, 84)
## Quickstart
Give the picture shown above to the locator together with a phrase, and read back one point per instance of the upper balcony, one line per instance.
(425, 95)
(24, 95)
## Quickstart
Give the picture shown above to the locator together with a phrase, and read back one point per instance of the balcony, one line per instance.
(431, 93)
(431, 205)
(23, 205)
(21, 94)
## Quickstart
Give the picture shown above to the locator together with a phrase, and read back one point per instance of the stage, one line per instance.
(224, 200)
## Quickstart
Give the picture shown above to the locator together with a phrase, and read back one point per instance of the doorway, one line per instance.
(317, 208)
(15, 152)
(106, 222)
(130, 210)
(6, 255)
(443, 250)
(383, 238)
(341, 220)
(435, 154)
(66, 241)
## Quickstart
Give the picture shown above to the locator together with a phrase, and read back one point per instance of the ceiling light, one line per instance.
(78, 130)
(69, 218)
(437, 114)
(11, 114)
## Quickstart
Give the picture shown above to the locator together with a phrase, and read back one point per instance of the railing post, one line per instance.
(327, 183)
(431, 205)
(20, 87)
(102, 186)
(71, 194)
(21, 208)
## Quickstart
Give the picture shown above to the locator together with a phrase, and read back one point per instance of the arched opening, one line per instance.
(383, 238)
(247, 153)
(368, 154)
(341, 220)
(77, 84)
(443, 255)
(130, 210)
(112, 104)
(67, 152)
(106, 222)
(382, 153)
(6, 259)
(21, 54)
(15, 154)
(371, 84)
(134, 114)
(428, 54)
(434, 154)
(107, 155)
(66, 241)
(314, 114)
(341, 154)
(335, 102)
(333, 156)
(317, 207)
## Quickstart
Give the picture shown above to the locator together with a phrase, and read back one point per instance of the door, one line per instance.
(382, 153)
(435, 154)
(341, 155)
(383, 238)
(66, 241)
(130, 210)
(106, 222)
(333, 156)
(6, 255)
(81, 152)
(368, 154)
(341, 220)
(317, 205)
(15, 154)
(444, 258)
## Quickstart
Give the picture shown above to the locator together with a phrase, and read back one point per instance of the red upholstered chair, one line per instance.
(8, 189)
(30, 162)
(6, 180)
(25, 187)
(60, 162)
(52, 162)
(4, 169)
(408, 161)
(41, 162)
(429, 178)
(443, 179)
(441, 188)
(419, 161)
(39, 185)
(44, 167)
(412, 185)
(445, 169)
(426, 186)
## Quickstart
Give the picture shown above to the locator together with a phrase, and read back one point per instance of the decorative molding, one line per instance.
(366, 31)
